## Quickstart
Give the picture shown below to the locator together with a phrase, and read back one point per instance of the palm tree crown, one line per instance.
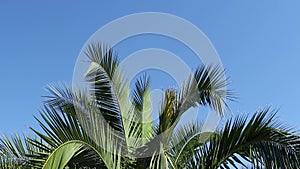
(109, 126)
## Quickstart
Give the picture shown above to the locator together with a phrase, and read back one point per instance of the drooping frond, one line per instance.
(108, 87)
(261, 141)
(61, 156)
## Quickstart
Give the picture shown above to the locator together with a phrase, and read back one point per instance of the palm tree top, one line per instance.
(110, 126)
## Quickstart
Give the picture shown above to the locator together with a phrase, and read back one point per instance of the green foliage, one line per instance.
(60, 157)
(110, 126)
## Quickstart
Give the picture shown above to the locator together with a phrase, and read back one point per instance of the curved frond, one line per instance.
(61, 128)
(261, 141)
(61, 156)
(108, 87)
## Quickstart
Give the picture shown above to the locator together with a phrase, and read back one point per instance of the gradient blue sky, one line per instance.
(258, 42)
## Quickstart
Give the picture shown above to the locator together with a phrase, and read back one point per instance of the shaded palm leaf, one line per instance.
(261, 141)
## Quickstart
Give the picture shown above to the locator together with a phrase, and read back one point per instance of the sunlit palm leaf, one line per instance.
(63, 127)
(142, 108)
(61, 156)
(108, 86)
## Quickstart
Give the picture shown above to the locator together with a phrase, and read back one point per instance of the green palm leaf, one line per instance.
(142, 106)
(108, 87)
(207, 86)
(261, 141)
(61, 156)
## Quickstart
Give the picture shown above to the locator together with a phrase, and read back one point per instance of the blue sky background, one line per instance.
(258, 43)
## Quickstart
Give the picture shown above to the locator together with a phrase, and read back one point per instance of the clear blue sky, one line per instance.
(258, 42)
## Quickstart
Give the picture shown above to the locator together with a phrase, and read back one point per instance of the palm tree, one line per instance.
(105, 127)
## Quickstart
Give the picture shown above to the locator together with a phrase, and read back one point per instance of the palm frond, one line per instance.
(110, 90)
(61, 128)
(12, 152)
(207, 86)
(142, 108)
(109, 143)
(261, 141)
(108, 87)
(185, 138)
(18, 152)
(61, 96)
(61, 156)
